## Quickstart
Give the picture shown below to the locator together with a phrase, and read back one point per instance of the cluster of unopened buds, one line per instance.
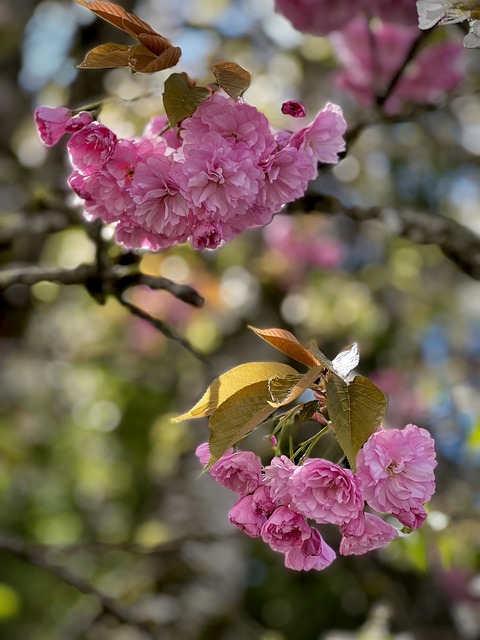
(394, 475)
(220, 171)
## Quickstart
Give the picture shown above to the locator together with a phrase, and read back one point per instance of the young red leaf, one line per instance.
(287, 343)
(233, 78)
(106, 56)
(118, 16)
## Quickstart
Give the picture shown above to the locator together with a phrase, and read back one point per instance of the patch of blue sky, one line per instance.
(48, 38)
(197, 46)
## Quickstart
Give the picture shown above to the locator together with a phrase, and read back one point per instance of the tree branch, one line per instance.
(457, 242)
(35, 556)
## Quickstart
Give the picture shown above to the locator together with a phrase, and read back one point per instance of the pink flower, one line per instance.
(237, 122)
(263, 501)
(323, 138)
(277, 476)
(78, 121)
(325, 492)
(377, 534)
(294, 108)
(395, 469)
(286, 177)
(246, 517)
(206, 235)
(160, 207)
(91, 147)
(285, 529)
(219, 178)
(203, 453)
(313, 554)
(413, 518)
(51, 123)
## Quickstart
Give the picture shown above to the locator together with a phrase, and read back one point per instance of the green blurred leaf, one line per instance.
(356, 410)
(181, 97)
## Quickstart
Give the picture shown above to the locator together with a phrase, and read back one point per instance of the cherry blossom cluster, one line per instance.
(394, 476)
(221, 171)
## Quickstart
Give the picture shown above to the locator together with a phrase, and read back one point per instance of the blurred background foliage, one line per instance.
(89, 461)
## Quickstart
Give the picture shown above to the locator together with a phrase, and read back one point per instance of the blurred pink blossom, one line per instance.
(395, 469)
(377, 533)
(371, 54)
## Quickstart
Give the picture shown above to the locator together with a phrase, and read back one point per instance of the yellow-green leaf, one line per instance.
(287, 343)
(233, 78)
(232, 381)
(106, 56)
(289, 388)
(237, 417)
(181, 97)
(355, 410)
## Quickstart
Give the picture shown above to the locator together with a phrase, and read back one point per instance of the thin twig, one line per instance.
(34, 556)
(162, 326)
(457, 242)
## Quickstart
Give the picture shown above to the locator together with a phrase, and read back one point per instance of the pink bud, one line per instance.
(294, 108)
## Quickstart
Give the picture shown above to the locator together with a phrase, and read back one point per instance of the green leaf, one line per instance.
(232, 381)
(355, 410)
(287, 343)
(237, 417)
(288, 388)
(181, 97)
(233, 78)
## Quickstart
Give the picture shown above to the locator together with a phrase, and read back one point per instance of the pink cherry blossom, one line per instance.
(285, 529)
(313, 554)
(413, 518)
(325, 492)
(246, 517)
(78, 121)
(160, 207)
(237, 122)
(91, 148)
(203, 453)
(377, 533)
(323, 138)
(263, 501)
(51, 123)
(277, 476)
(219, 178)
(287, 174)
(241, 472)
(395, 469)
(294, 109)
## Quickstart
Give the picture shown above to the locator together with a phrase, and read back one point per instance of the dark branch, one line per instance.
(35, 556)
(458, 243)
